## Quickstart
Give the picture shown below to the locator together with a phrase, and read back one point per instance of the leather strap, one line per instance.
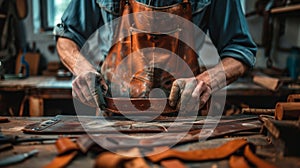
(67, 150)
(172, 163)
(200, 155)
(224, 151)
(238, 162)
(125, 159)
(251, 157)
(61, 161)
(65, 145)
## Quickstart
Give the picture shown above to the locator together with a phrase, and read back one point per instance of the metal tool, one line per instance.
(17, 140)
(17, 158)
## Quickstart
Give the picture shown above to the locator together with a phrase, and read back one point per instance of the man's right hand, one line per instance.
(90, 88)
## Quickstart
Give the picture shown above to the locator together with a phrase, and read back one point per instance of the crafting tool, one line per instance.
(17, 158)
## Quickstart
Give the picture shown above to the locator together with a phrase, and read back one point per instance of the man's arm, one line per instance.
(87, 80)
(229, 68)
(71, 57)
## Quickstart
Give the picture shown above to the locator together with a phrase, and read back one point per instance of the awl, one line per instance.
(17, 158)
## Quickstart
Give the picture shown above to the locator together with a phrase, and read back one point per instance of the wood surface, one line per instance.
(47, 151)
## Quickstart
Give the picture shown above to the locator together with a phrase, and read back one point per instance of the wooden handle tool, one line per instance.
(287, 111)
(293, 98)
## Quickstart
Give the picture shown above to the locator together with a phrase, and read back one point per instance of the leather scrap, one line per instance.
(65, 145)
(238, 162)
(201, 155)
(172, 163)
(251, 157)
(224, 151)
(61, 161)
(73, 125)
(124, 159)
(67, 150)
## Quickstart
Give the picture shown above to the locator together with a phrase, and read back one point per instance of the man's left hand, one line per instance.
(189, 94)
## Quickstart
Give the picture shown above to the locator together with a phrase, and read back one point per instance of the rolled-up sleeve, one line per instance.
(80, 20)
(229, 31)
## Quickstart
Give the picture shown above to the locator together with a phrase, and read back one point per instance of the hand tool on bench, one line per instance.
(287, 111)
(4, 139)
(17, 158)
(293, 98)
(258, 111)
(282, 111)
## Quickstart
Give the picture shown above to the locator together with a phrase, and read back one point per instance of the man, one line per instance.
(223, 19)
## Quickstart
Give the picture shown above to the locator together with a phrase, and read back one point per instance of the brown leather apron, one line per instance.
(151, 60)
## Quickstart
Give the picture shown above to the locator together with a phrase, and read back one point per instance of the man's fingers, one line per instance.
(101, 82)
(99, 97)
(187, 102)
(78, 94)
(83, 92)
(205, 97)
(175, 92)
(200, 88)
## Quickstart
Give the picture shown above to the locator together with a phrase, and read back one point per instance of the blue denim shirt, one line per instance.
(223, 19)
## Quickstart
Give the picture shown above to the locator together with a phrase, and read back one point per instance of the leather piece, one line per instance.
(259, 163)
(200, 155)
(238, 162)
(65, 145)
(222, 152)
(67, 150)
(139, 106)
(124, 159)
(172, 163)
(71, 125)
(61, 161)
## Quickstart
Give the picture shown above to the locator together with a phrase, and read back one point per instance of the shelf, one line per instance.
(285, 9)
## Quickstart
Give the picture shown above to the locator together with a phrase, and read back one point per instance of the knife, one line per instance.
(17, 158)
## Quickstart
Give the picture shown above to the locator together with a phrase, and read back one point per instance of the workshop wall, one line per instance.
(291, 37)
(44, 40)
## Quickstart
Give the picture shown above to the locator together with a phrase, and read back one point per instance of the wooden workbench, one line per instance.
(47, 151)
(35, 90)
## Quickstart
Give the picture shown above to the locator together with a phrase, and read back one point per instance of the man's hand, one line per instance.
(90, 88)
(189, 94)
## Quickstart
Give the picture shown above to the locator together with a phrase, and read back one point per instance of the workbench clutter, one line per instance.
(77, 141)
(93, 142)
(144, 151)
(283, 130)
(115, 141)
